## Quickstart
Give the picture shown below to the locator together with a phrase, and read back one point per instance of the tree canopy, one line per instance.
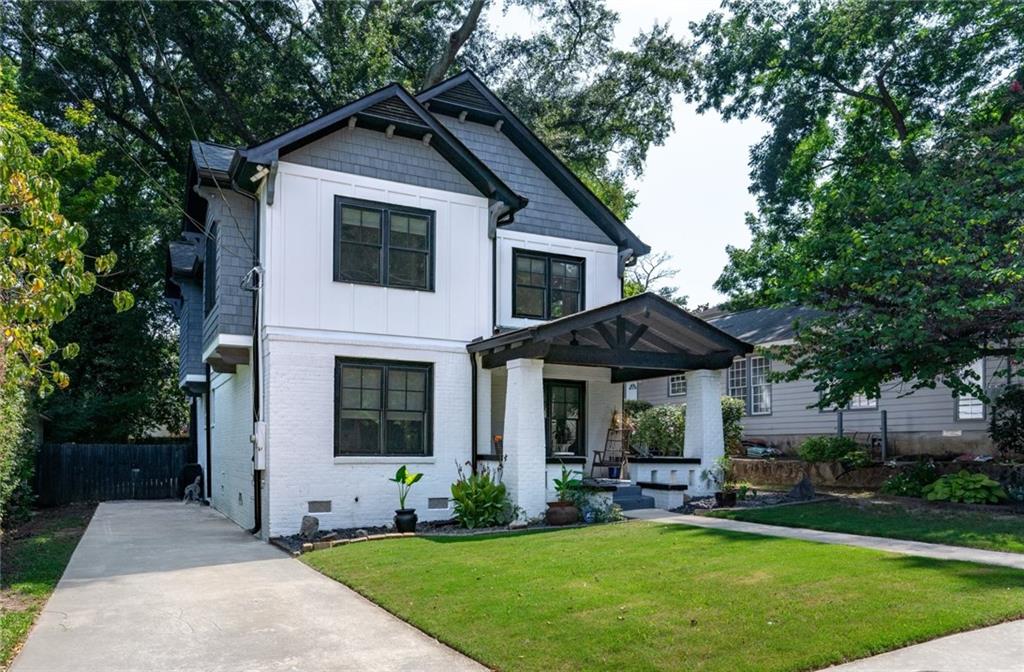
(162, 73)
(888, 186)
(44, 178)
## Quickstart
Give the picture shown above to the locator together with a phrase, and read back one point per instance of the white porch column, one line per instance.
(705, 436)
(484, 434)
(524, 435)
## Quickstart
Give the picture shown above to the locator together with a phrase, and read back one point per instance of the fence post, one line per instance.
(839, 424)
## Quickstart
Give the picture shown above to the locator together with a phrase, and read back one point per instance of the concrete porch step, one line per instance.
(633, 503)
(627, 491)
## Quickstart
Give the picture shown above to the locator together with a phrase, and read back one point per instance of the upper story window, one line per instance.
(747, 379)
(546, 286)
(969, 407)
(210, 270)
(677, 385)
(382, 408)
(380, 244)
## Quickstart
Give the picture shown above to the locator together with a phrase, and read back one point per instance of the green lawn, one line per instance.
(643, 596)
(34, 558)
(996, 532)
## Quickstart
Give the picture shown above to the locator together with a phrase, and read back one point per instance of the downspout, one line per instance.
(474, 423)
(209, 439)
(257, 491)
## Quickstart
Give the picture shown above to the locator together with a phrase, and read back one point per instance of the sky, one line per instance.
(693, 194)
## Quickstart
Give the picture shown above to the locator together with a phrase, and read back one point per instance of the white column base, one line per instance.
(524, 439)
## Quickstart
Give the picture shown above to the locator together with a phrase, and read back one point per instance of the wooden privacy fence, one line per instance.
(79, 472)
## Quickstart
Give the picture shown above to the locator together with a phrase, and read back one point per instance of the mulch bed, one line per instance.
(702, 505)
(297, 545)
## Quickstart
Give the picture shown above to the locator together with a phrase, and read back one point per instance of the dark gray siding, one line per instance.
(372, 154)
(190, 342)
(918, 420)
(233, 214)
(550, 212)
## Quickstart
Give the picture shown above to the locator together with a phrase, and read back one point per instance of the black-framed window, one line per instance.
(546, 286)
(382, 407)
(210, 270)
(565, 403)
(381, 244)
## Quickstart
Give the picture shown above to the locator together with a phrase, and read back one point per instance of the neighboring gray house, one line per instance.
(931, 421)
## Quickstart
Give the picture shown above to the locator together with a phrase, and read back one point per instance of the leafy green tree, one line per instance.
(888, 186)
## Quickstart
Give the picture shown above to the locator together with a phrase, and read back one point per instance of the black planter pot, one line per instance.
(725, 499)
(405, 520)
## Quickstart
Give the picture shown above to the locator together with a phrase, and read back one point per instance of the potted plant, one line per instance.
(717, 479)
(564, 510)
(405, 519)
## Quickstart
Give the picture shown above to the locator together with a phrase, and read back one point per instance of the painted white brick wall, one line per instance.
(525, 464)
(705, 436)
(231, 450)
(301, 466)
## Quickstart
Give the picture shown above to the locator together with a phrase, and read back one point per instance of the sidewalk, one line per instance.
(902, 546)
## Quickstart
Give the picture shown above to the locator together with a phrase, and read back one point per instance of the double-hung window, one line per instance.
(380, 244)
(677, 385)
(747, 380)
(382, 408)
(969, 407)
(861, 402)
(545, 286)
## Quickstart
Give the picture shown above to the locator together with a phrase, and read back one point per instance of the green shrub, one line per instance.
(17, 455)
(966, 487)
(481, 499)
(834, 449)
(732, 422)
(911, 481)
(660, 430)
(634, 407)
(1007, 424)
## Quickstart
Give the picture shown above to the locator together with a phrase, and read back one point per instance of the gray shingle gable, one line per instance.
(550, 212)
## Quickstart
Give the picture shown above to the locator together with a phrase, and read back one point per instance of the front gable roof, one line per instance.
(390, 109)
(466, 94)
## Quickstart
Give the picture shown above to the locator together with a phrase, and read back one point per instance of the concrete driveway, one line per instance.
(162, 586)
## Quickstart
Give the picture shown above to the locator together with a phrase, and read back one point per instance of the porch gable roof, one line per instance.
(642, 336)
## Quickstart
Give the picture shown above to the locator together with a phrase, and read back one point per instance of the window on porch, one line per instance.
(564, 423)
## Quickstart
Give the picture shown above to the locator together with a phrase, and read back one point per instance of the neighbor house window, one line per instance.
(969, 407)
(861, 402)
(210, 270)
(747, 380)
(382, 408)
(379, 244)
(546, 286)
(564, 403)
(677, 385)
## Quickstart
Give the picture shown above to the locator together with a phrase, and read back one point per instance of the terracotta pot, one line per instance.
(405, 520)
(562, 513)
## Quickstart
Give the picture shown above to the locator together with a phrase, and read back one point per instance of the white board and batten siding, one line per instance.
(600, 270)
(310, 320)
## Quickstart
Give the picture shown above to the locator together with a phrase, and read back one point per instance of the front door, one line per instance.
(565, 428)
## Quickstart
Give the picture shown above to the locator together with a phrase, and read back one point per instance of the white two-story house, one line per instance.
(399, 282)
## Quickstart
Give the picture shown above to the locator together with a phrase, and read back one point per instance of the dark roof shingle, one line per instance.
(763, 325)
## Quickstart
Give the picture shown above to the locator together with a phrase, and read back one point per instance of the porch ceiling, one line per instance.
(640, 337)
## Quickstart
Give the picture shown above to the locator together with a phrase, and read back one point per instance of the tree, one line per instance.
(887, 185)
(161, 73)
(649, 274)
(43, 269)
